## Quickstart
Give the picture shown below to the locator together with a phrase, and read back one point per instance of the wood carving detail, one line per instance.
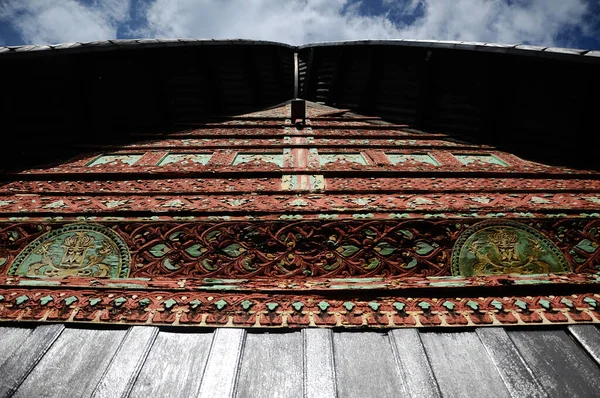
(505, 247)
(306, 249)
(81, 250)
(213, 309)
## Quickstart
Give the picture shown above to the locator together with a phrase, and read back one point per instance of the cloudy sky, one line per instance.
(563, 23)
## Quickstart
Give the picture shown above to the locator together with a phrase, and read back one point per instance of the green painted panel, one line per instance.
(505, 247)
(85, 250)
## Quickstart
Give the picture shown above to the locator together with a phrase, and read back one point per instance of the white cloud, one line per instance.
(298, 21)
(60, 21)
(291, 21)
(533, 21)
(304, 21)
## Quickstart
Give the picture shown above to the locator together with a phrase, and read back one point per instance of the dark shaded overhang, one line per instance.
(534, 101)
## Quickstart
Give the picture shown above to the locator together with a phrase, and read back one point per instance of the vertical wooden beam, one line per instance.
(305, 89)
(515, 372)
(220, 373)
(319, 369)
(121, 374)
(26, 357)
(414, 367)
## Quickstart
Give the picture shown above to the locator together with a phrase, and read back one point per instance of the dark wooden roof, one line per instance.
(537, 102)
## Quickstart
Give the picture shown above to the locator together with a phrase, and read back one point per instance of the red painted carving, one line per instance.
(219, 203)
(306, 249)
(276, 310)
(255, 245)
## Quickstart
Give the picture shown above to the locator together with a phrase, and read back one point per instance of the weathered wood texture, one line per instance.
(26, 356)
(127, 362)
(174, 366)
(415, 370)
(365, 365)
(74, 364)
(462, 366)
(517, 376)
(319, 368)
(271, 366)
(560, 365)
(144, 361)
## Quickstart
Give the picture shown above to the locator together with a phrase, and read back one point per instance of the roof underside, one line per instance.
(52, 360)
(536, 102)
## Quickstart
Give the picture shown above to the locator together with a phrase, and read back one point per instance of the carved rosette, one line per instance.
(81, 250)
(505, 247)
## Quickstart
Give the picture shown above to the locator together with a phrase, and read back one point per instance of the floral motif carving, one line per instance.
(311, 248)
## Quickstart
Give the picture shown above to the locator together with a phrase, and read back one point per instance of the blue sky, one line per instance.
(561, 23)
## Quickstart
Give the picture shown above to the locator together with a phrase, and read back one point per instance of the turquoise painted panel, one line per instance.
(481, 159)
(357, 158)
(128, 159)
(186, 159)
(258, 158)
(399, 158)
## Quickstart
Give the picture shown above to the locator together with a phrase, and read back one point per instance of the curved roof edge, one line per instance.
(515, 49)
(107, 45)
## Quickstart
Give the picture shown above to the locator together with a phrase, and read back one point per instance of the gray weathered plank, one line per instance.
(589, 337)
(73, 365)
(560, 365)
(365, 365)
(271, 366)
(413, 364)
(174, 365)
(27, 355)
(517, 375)
(462, 366)
(123, 370)
(319, 369)
(10, 339)
(222, 365)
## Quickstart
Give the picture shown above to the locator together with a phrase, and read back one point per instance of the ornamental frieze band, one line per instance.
(214, 309)
(303, 249)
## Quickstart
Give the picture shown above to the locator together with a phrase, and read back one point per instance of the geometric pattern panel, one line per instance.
(258, 158)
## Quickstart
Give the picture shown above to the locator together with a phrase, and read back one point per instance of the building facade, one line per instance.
(199, 215)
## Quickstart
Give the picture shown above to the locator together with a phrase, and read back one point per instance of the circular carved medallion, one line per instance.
(84, 250)
(505, 247)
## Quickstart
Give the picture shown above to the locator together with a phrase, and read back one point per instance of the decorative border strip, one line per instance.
(275, 311)
(284, 203)
(273, 184)
(307, 250)
(391, 285)
(374, 216)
